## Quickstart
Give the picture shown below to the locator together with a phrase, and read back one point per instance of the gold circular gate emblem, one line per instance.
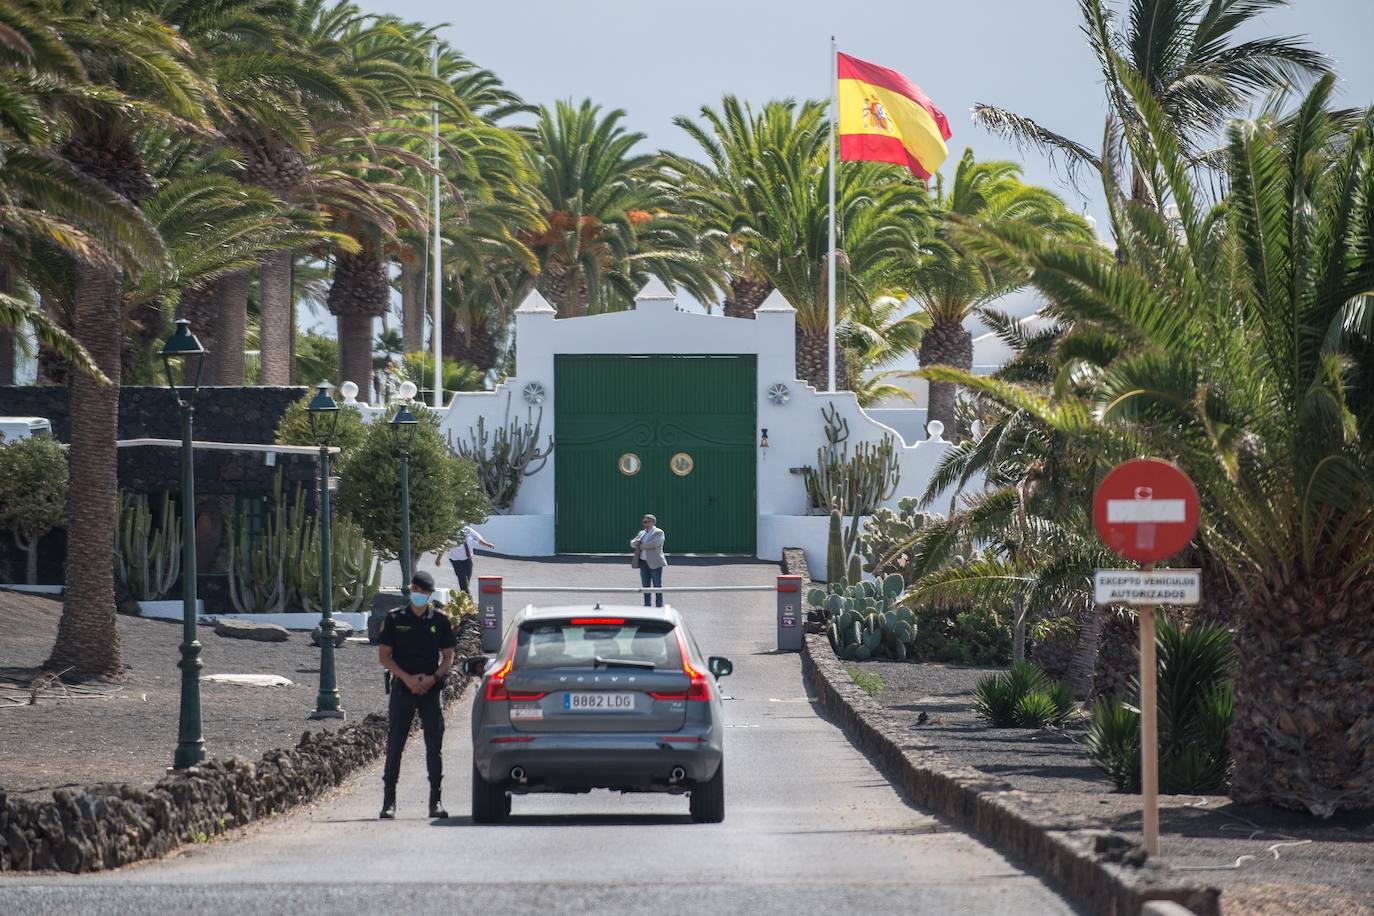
(682, 464)
(629, 464)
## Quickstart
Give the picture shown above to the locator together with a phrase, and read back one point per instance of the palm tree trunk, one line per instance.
(355, 352)
(745, 297)
(813, 361)
(7, 340)
(945, 343)
(87, 638)
(1303, 734)
(276, 313)
(224, 364)
(412, 306)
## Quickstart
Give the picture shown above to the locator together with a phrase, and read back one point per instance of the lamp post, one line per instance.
(403, 426)
(323, 413)
(183, 351)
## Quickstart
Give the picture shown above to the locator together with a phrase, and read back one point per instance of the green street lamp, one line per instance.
(323, 413)
(403, 426)
(183, 355)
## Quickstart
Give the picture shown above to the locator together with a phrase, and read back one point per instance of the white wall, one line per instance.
(656, 326)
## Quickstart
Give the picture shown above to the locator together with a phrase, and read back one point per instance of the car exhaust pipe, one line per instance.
(518, 774)
(677, 775)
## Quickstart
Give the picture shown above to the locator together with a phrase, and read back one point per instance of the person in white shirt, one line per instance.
(462, 554)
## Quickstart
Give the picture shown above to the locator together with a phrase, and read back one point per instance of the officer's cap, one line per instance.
(422, 580)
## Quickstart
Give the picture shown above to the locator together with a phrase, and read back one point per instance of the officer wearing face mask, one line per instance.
(416, 649)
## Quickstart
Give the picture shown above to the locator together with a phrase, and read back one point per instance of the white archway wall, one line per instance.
(656, 327)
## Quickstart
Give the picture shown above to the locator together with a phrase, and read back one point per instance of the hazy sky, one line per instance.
(658, 60)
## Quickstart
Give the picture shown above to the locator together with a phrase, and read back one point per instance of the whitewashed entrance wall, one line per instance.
(655, 326)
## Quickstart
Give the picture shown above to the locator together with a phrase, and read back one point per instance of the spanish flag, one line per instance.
(885, 117)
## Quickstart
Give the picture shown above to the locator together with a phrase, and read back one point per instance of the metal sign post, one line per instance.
(489, 599)
(1147, 510)
(789, 614)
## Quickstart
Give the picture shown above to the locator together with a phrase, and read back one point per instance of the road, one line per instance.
(811, 826)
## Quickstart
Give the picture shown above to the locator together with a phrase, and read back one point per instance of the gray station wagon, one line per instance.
(584, 698)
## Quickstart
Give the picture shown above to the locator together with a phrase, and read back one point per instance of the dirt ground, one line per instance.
(1266, 862)
(126, 730)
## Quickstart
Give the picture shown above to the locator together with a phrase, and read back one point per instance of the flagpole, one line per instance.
(830, 270)
(438, 306)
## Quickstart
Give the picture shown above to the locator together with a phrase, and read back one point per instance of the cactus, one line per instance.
(279, 569)
(865, 620)
(507, 457)
(258, 577)
(856, 569)
(146, 563)
(356, 573)
(886, 532)
(855, 485)
(834, 549)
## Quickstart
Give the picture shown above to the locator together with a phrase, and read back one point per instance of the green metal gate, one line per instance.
(671, 435)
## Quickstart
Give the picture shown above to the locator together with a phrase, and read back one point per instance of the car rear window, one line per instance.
(578, 642)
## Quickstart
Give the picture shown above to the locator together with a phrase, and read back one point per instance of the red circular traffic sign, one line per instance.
(1146, 510)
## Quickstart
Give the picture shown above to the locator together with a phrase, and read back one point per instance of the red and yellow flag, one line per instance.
(885, 117)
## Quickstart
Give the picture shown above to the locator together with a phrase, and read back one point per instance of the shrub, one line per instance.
(460, 605)
(1196, 705)
(1022, 697)
(967, 636)
(294, 429)
(444, 493)
(33, 493)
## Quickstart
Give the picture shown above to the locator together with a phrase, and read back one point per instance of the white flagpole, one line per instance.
(830, 271)
(438, 306)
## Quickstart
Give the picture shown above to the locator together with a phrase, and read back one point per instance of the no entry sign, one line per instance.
(1146, 510)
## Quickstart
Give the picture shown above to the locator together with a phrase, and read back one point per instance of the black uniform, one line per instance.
(416, 641)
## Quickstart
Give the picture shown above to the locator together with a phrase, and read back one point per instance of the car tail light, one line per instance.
(700, 688)
(496, 683)
(667, 696)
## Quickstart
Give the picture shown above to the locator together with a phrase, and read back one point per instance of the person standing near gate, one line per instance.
(461, 555)
(417, 644)
(648, 548)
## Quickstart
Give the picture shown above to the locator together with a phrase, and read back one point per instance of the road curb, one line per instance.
(1017, 823)
(107, 826)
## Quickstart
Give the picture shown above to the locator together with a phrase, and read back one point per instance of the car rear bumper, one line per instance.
(556, 762)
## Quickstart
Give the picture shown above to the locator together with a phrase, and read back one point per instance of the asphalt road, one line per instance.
(811, 826)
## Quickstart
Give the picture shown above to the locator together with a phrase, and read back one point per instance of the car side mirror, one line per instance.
(720, 666)
(475, 666)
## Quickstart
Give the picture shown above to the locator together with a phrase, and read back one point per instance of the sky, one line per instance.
(657, 61)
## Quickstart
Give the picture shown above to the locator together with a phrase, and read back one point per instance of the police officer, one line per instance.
(416, 649)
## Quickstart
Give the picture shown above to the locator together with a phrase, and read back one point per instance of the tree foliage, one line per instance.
(33, 492)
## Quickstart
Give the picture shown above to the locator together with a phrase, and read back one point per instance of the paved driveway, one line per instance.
(811, 826)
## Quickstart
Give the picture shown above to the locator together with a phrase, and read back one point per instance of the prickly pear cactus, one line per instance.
(886, 531)
(864, 619)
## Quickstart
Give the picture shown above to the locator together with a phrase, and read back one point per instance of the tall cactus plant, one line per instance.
(505, 456)
(356, 573)
(146, 562)
(258, 563)
(856, 484)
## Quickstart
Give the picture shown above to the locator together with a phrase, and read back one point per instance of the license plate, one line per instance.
(599, 702)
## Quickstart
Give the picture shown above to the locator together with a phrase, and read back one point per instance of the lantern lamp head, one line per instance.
(403, 426)
(184, 350)
(323, 412)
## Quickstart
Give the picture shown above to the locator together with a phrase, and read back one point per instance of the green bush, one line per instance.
(444, 492)
(1022, 697)
(1196, 705)
(968, 636)
(294, 429)
(33, 493)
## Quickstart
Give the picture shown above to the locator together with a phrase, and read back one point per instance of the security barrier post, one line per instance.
(789, 614)
(490, 591)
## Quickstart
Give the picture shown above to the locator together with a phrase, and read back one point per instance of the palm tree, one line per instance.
(952, 285)
(722, 191)
(1235, 341)
(142, 70)
(1190, 55)
(611, 220)
(760, 203)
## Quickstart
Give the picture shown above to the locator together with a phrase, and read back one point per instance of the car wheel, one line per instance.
(490, 803)
(708, 799)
